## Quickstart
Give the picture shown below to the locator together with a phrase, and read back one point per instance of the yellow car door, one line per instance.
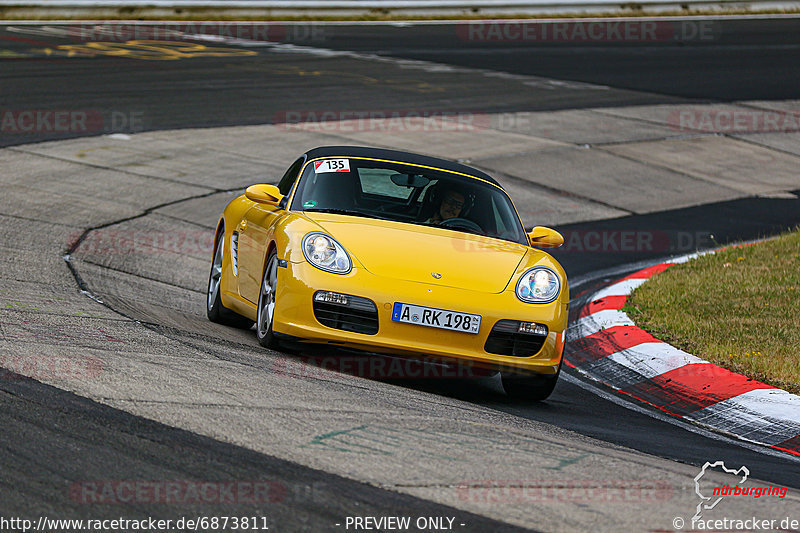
(254, 233)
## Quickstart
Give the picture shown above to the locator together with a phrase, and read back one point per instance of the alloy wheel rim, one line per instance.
(266, 301)
(216, 276)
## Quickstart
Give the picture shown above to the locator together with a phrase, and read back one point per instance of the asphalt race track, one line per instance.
(725, 60)
(177, 398)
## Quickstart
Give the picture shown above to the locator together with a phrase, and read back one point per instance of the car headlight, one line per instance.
(325, 253)
(539, 285)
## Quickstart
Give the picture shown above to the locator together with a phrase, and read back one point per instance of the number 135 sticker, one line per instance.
(332, 165)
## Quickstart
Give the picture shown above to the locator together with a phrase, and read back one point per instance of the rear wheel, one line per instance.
(266, 303)
(529, 387)
(215, 311)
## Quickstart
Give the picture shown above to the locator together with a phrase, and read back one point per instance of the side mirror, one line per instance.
(542, 237)
(264, 194)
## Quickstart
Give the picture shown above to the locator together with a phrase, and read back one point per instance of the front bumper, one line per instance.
(294, 316)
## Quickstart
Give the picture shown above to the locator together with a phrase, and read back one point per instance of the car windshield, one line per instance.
(408, 193)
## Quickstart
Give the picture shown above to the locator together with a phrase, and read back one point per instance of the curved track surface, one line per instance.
(723, 59)
(332, 444)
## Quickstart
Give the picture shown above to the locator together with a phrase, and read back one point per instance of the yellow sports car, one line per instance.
(394, 253)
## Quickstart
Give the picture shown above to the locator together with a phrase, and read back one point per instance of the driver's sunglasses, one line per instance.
(452, 202)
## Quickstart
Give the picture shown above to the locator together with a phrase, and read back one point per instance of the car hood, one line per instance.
(420, 253)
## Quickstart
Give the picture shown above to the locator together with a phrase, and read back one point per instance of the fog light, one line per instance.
(330, 297)
(532, 328)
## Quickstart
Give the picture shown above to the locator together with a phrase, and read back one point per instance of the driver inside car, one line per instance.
(450, 207)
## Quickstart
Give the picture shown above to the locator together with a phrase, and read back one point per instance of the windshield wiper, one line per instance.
(346, 212)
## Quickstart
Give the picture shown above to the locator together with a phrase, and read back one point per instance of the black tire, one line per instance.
(267, 302)
(215, 311)
(529, 387)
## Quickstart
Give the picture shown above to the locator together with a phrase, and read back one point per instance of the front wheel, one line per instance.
(534, 388)
(266, 303)
(215, 311)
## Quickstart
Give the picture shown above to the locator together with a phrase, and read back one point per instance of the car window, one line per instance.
(285, 185)
(498, 219)
(410, 194)
(505, 219)
(378, 181)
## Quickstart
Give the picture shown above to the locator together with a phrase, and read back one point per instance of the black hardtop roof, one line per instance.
(396, 155)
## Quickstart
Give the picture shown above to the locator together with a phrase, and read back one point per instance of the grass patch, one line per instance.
(738, 308)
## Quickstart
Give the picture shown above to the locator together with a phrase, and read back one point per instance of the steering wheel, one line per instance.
(462, 223)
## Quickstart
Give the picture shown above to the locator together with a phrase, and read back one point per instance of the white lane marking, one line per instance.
(621, 288)
(759, 418)
(768, 416)
(773, 403)
(613, 272)
(416, 64)
(607, 318)
(686, 258)
(651, 359)
(433, 67)
(426, 66)
(678, 422)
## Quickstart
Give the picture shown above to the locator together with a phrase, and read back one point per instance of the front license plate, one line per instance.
(436, 318)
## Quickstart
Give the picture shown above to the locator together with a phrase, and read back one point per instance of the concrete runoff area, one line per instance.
(596, 176)
(159, 358)
(785, 142)
(584, 126)
(725, 162)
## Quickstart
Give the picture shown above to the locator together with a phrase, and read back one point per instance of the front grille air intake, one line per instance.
(346, 312)
(506, 339)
